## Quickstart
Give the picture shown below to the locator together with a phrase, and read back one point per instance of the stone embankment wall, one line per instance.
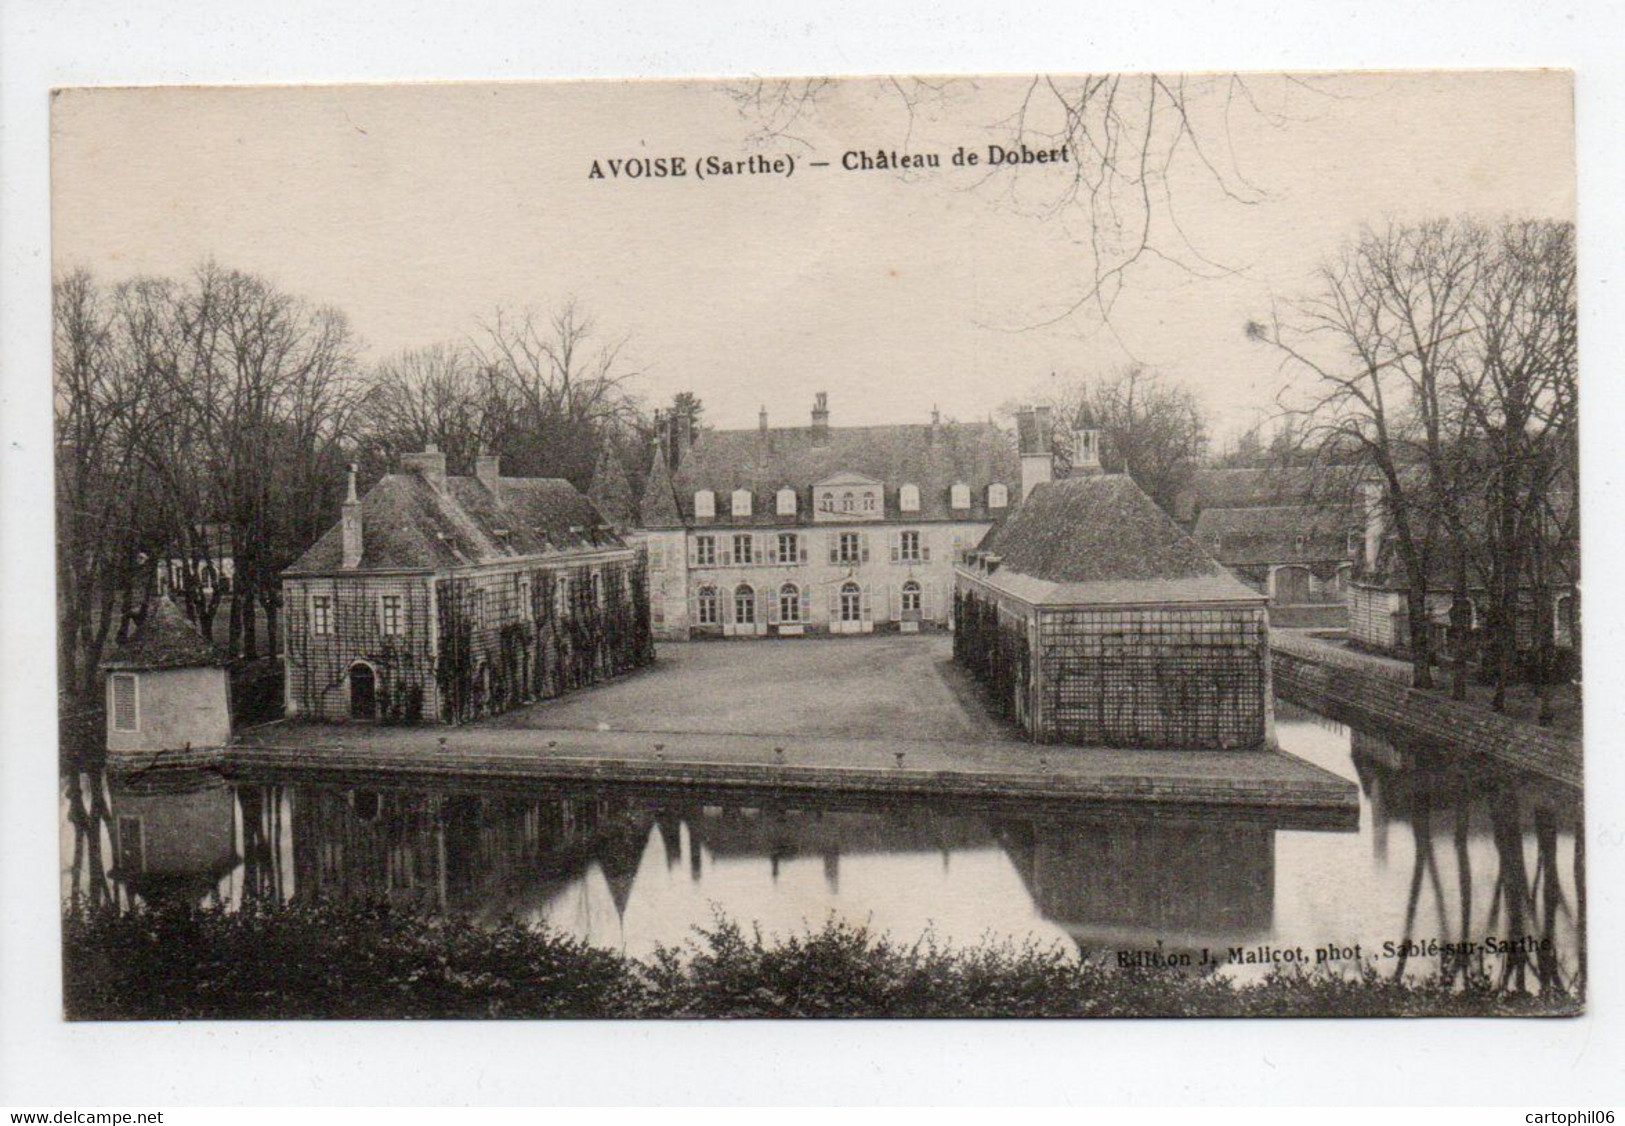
(1357, 690)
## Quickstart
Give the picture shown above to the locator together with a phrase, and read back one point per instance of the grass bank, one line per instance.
(347, 961)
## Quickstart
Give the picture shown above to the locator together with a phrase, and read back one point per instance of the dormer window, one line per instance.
(908, 498)
(786, 502)
(959, 496)
(741, 502)
(998, 496)
(705, 504)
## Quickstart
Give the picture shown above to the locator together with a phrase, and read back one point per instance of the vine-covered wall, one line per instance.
(318, 666)
(538, 633)
(993, 648)
(488, 642)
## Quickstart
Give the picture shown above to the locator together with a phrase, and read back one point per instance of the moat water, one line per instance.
(1445, 854)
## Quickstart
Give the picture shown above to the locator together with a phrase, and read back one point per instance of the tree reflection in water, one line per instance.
(579, 858)
(1528, 911)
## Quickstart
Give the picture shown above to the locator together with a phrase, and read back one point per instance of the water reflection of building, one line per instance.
(782, 834)
(174, 836)
(1163, 877)
(487, 853)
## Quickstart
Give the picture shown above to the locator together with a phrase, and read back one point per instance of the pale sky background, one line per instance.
(420, 209)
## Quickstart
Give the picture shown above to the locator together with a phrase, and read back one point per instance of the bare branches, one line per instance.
(1443, 352)
(1135, 146)
(1153, 430)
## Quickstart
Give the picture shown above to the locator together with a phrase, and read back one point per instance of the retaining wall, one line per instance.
(1351, 693)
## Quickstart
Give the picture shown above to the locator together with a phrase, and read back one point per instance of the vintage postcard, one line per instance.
(1028, 546)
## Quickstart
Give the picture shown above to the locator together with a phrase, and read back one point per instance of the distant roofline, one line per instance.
(573, 555)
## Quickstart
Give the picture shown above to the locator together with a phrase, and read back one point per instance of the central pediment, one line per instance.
(849, 496)
(845, 478)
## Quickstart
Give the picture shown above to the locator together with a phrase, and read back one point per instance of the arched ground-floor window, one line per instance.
(911, 601)
(851, 602)
(789, 603)
(744, 605)
(707, 607)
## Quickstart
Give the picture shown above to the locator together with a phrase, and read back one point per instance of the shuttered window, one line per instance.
(125, 715)
(851, 548)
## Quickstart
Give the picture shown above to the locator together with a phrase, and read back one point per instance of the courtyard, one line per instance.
(858, 688)
(860, 715)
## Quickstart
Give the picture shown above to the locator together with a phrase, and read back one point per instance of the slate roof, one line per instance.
(164, 639)
(975, 454)
(1278, 533)
(1100, 540)
(1275, 486)
(407, 525)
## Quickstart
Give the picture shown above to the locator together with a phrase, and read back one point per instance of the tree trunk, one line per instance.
(1461, 626)
(249, 636)
(1416, 610)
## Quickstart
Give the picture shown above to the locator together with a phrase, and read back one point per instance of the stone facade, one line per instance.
(168, 688)
(445, 599)
(840, 579)
(788, 531)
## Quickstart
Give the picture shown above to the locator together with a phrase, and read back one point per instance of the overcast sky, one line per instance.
(418, 210)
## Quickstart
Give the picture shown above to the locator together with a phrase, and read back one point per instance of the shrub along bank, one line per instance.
(348, 961)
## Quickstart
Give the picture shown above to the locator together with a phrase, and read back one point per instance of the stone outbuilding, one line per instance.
(1299, 555)
(442, 598)
(1094, 619)
(168, 687)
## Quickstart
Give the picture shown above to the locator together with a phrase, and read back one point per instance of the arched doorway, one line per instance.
(911, 601)
(363, 692)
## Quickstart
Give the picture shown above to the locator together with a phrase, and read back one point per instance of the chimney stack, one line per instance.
(820, 419)
(1033, 432)
(488, 468)
(682, 436)
(761, 420)
(350, 526)
(430, 465)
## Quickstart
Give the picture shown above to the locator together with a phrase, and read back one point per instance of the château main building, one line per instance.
(784, 531)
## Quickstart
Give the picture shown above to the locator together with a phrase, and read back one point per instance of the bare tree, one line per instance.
(1445, 353)
(1519, 392)
(420, 397)
(550, 391)
(98, 407)
(1151, 429)
(1380, 339)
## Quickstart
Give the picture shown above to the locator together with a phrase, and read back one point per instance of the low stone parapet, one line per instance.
(1356, 690)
